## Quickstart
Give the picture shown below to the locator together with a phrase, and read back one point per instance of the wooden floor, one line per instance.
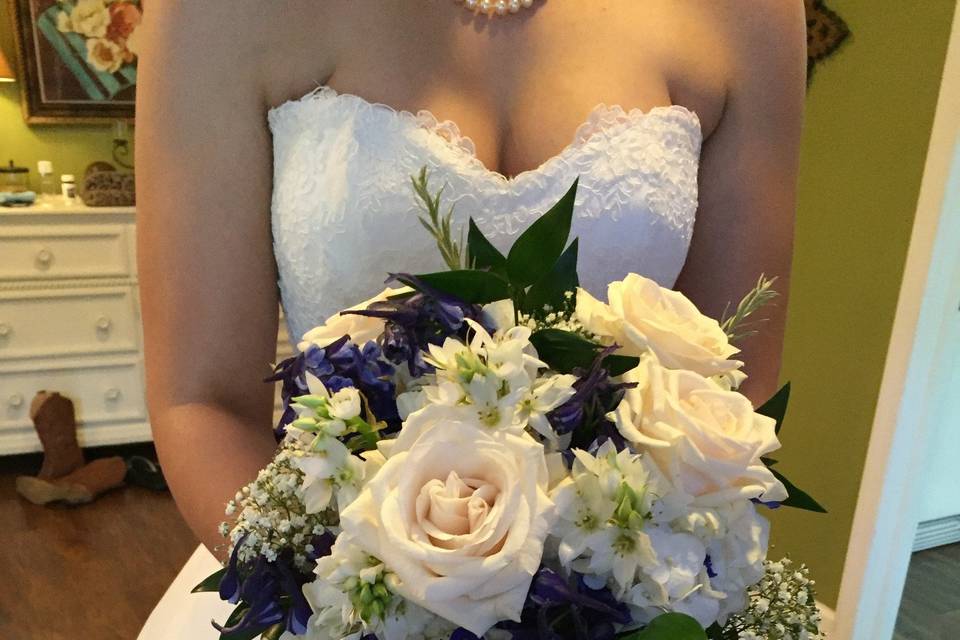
(85, 573)
(930, 609)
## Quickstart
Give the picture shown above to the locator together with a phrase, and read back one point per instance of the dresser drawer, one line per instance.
(101, 393)
(63, 251)
(37, 324)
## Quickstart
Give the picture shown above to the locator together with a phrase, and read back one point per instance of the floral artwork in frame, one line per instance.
(78, 58)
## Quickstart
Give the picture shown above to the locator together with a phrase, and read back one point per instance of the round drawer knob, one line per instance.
(103, 324)
(112, 395)
(44, 258)
(5, 330)
(15, 401)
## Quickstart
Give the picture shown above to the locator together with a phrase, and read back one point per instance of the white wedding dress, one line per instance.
(344, 214)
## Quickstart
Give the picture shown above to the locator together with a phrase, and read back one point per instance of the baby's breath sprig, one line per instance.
(437, 224)
(782, 606)
(563, 318)
(735, 326)
(270, 515)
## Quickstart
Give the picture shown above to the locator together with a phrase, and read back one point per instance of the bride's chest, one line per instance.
(520, 86)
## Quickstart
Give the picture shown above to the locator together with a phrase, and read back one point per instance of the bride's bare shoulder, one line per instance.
(274, 46)
(764, 32)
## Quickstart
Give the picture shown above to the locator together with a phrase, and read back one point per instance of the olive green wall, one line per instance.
(869, 114)
(70, 147)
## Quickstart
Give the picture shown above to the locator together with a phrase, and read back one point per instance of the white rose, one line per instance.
(707, 441)
(361, 329)
(90, 18)
(642, 315)
(459, 514)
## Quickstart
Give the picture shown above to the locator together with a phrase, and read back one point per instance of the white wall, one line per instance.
(940, 488)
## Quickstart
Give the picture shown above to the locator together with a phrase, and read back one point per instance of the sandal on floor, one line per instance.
(144, 472)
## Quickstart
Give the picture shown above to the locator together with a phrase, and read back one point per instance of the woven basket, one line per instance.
(108, 189)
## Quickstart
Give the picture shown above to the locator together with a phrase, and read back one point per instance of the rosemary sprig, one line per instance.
(736, 326)
(438, 225)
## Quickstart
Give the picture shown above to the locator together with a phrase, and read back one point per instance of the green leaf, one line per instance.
(482, 254)
(550, 289)
(248, 634)
(235, 617)
(776, 406)
(210, 583)
(476, 287)
(564, 351)
(669, 626)
(619, 365)
(797, 498)
(537, 248)
(274, 632)
(769, 461)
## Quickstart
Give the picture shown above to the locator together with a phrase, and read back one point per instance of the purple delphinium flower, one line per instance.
(559, 608)
(708, 564)
(418, 319)
(338, 365)
(272, 591)
(584, 414)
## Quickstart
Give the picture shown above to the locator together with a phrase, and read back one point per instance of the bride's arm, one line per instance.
(207, 273)
(748, 177)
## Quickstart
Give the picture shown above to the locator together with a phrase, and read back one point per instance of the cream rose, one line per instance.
(642, 315)
(706, 441)
(361, 329)
(459, 514)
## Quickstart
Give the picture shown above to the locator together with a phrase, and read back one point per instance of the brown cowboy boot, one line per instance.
(54, 420)
(79, 487)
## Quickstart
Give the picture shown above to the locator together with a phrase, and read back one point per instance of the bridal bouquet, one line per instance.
(492, 452)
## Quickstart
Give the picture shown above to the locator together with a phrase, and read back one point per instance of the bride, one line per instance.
(682, 120)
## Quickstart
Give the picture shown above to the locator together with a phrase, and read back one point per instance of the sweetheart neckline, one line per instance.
(464, 144)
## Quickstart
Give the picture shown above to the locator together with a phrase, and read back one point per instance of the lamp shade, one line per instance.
(6, 71)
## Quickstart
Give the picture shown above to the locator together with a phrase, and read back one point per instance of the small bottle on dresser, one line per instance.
(48, 184)
(68, 189)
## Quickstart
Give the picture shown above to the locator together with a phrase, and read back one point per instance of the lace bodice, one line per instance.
(344, 214)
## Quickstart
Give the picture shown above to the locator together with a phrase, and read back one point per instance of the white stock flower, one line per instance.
(738, 553)
(500, 314)
(707, 441)
(641, 315)
(608, 533)
(678, 581)
(334, 596)
(601, 511)
(546, 394)
(329, 469)
(488, 377)
(459, 514)
(361, 329)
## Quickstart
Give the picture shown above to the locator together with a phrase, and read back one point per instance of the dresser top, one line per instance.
(59, 209)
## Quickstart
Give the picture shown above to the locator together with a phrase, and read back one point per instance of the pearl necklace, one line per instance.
(495, 7)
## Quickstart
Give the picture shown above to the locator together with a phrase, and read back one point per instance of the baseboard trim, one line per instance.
(936, 533)
(828, 619)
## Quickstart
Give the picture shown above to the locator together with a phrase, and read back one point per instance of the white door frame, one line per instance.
(885, 519)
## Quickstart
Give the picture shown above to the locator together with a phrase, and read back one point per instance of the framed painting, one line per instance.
(77, 58)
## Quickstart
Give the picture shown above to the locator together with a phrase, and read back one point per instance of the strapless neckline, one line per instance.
(598, 119)
(344, 215)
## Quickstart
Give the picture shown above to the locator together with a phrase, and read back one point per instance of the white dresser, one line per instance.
(70, 322)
